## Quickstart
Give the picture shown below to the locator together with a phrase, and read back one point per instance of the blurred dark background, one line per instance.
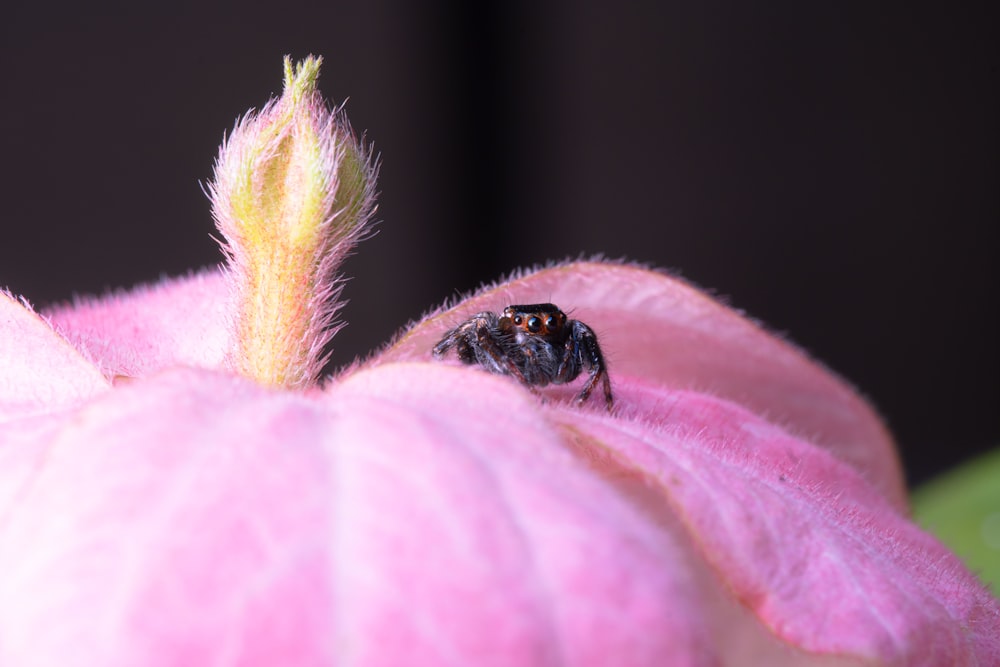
(831, 169)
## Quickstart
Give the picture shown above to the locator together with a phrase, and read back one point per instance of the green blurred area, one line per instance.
(962, 507)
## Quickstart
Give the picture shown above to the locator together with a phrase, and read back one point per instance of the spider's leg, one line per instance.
(587, 354)
(463, 337)
(450, 340)
(492, 347)
(597, 375)
(569, 365)
(609, 400)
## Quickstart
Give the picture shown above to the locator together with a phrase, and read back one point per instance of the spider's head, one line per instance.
(537, 319)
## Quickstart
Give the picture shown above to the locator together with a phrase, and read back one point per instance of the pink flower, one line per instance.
(165, 502)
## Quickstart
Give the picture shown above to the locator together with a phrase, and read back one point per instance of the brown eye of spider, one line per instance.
(534, 324)
(551, 322)
(517, 320)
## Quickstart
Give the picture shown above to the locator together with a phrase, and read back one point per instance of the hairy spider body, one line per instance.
(535, 343)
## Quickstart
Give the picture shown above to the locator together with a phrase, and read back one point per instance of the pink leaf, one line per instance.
(415, 512)
(177, 322)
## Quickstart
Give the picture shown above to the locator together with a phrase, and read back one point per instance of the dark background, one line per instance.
(831, 169)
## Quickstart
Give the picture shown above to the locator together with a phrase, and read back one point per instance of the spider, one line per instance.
(535, 343)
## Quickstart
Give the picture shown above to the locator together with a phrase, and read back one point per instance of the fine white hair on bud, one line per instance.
(293, 193)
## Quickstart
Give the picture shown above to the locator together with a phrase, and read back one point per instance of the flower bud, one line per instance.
(292, 194)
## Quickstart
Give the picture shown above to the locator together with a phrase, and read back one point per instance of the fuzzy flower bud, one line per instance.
(292, 194)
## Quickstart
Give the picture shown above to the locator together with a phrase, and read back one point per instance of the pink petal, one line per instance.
(799, 537)
(179, 322)
(39, 371)
(661, 330)
(423, 514)
(417, 513)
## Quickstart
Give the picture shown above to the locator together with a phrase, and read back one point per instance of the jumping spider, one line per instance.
(535, 343)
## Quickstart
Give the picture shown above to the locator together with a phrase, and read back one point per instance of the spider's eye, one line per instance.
(517, 320)
(534, 324)
(551, 322)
